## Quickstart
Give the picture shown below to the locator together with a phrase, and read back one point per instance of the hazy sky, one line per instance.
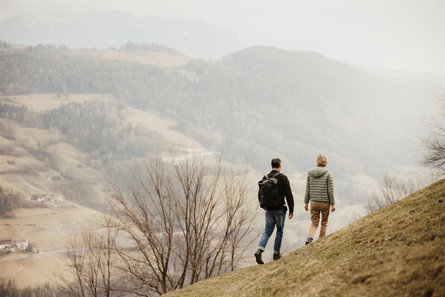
(402, 35)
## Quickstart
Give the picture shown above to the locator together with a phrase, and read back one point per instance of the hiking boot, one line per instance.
(276, 257)
(309, 240)
(258, 257)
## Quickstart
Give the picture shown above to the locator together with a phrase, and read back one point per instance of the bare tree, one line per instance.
(393, 189)
(146, 218)
(238, 221)
(185, 222)
(435, 146)
(90, 259)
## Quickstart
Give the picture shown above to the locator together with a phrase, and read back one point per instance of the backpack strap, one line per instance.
(272, 176)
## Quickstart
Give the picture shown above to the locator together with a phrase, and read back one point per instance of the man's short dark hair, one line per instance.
(275, 163)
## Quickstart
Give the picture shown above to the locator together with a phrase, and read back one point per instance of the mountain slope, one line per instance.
(395, 251)
(254, 105)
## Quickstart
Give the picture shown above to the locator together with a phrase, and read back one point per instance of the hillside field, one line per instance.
(48, 228)
(395, 251)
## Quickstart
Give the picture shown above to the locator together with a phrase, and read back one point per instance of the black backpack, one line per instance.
(268, 193)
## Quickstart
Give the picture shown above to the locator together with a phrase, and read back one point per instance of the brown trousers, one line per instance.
(316, 209)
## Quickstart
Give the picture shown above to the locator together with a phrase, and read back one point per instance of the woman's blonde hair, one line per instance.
(321, 161)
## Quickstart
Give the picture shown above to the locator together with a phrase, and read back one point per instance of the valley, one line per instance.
(48, 229)
(78, 123)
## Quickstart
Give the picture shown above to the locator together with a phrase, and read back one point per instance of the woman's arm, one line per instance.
(331, 189)
(307, 194)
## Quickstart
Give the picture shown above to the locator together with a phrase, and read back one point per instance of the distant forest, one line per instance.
(9, 289)
(9, 201)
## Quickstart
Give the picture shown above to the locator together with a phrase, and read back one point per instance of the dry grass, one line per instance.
(9, 164)
(48, 226)
(33, 271)
(395, 251)
(48, 229)
(164, 127)
(28, 174)
(44, 102)
(159, 59)
(32, 137)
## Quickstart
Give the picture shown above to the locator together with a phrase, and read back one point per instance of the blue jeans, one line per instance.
(273, 217)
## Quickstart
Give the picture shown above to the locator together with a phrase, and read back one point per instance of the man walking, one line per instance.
(273, 188)
(320, 191)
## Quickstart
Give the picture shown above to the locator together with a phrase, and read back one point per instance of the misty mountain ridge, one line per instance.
(254, 104)
(103, 28)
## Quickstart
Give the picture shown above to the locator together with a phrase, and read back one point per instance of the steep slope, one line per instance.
(395, 251)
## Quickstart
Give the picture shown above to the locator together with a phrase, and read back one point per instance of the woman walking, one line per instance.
(320, 192)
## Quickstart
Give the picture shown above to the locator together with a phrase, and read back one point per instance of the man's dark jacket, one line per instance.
(284, 189)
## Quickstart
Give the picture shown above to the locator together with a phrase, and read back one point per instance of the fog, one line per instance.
(95, 93)
(397, 35)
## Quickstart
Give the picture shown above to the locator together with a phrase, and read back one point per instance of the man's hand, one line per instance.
(291, 215)
(332, 208)
(306, 207)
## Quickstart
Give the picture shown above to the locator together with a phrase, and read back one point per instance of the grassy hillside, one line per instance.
(48, 228)
(395, 251)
